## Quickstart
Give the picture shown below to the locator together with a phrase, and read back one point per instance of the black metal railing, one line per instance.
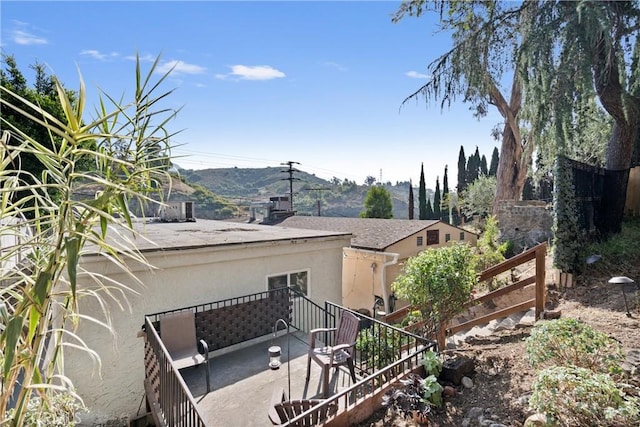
(365, 389)
(168, 396)
(379, 344)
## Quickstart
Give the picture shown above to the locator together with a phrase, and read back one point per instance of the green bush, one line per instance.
(570, 342)
(573, 396)
(438, 282)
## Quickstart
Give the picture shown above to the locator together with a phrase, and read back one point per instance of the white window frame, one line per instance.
(288, 274)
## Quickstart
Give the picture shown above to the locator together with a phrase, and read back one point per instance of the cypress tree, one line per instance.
(422, 196)
(473, 167)
(411, 207)
(493, 167)
(429, 211)
(444, 210)
(483, 166)
(462, 171)
(436, 201)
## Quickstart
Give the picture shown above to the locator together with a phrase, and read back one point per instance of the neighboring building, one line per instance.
(194, 263)
(378, 249)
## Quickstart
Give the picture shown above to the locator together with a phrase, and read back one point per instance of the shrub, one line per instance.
(432, 364)
(438, 282)
(573, 396)
(570, 342)
(378, 347)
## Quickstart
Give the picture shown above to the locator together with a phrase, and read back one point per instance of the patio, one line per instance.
(239, 333)
(242, 382)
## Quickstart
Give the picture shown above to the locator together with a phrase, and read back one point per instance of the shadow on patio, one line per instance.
(242, 383)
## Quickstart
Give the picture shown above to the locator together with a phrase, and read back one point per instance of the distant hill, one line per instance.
(245, 185)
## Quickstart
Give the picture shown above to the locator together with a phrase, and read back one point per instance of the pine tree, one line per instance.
(436, 201)
(462, 171)
(493, 168)
(411, 207)
(422, 196)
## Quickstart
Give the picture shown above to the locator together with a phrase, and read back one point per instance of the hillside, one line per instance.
(245, 185)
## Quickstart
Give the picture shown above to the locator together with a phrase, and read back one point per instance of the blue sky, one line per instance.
(262, 83)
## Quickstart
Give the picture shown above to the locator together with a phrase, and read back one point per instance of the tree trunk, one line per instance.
(512, 165)
(624, 107)
(616, 177)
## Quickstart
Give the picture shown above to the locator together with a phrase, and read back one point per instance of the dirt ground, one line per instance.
(503, 377)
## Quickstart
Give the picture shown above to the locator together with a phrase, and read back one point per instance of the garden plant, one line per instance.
(122, 154)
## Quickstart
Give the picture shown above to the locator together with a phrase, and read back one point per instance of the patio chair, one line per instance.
(178, 334)
(341, 353)
(282, 410)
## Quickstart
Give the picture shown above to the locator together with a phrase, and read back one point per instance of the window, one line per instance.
(419, 241)
(447, 237)
(298, 281)
(462, 235)
(433, 237)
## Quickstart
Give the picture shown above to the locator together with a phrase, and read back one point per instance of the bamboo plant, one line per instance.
(127, 145)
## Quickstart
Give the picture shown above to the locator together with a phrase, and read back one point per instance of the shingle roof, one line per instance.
(367, 233)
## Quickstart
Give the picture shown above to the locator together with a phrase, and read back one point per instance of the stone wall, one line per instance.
(526, 223)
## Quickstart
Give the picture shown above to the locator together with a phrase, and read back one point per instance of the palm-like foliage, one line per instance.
(49, 228)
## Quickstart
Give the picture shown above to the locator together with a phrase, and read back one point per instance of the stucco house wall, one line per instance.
(194, 263)
(378, 249)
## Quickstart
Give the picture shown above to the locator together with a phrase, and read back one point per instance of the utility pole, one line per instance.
(319, 190)
(290, 171)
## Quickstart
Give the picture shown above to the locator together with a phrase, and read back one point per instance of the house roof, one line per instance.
(367, 233)
(159, 236)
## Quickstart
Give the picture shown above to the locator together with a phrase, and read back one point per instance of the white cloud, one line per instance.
(416, 75)
(335, 65)
(180, 67)
(256, 72)
(25, 38)
(143, 58)
(96, 54)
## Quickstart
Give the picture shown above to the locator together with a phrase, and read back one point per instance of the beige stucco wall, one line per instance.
(184, 278)
(362, 270)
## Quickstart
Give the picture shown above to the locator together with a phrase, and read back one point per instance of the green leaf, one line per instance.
(73, 249)
(34, 319)
(42, 287)
(11, 335)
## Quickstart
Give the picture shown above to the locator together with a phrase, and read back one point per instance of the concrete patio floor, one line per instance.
(242, 382)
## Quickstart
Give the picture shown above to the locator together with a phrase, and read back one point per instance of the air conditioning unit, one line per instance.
(177, 212)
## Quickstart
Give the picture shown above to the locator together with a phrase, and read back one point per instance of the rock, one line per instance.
(536, 420)
(631, 364)
(455, 368)
(528, 319)
(449, 391)
(524, 399)
(475, 412)
(467, 382)
(548, 315)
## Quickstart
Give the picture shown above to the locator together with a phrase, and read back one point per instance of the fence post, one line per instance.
(441, 336)
(541, 253)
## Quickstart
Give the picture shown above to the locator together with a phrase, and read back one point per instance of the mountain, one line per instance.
(311, 194)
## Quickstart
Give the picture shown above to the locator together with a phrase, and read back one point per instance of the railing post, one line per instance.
(541, 253)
